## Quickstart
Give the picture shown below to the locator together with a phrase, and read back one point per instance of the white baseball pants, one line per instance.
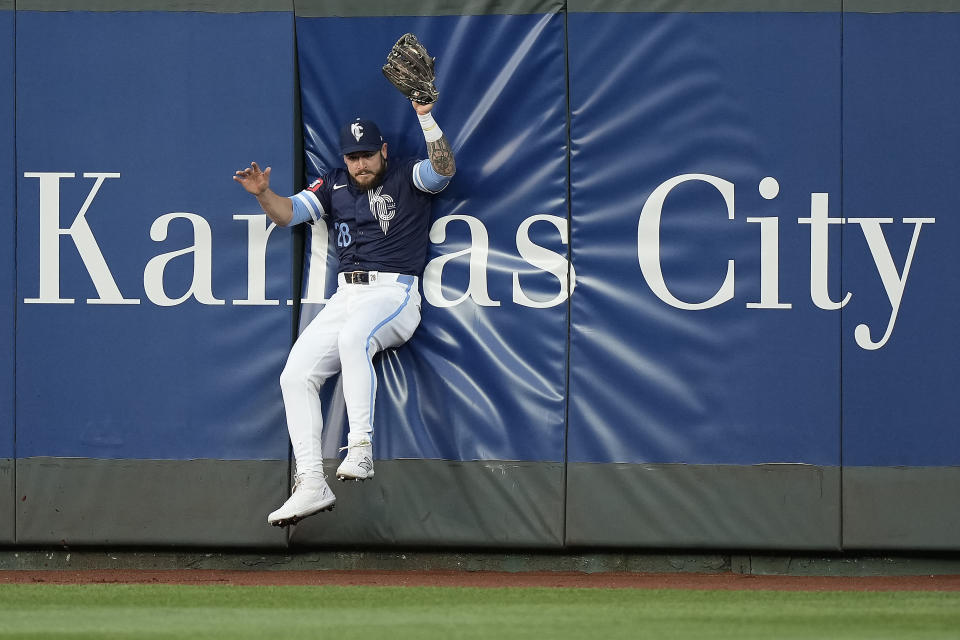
(357, 322)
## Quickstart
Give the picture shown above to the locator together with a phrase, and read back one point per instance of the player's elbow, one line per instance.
(449, 169)
(281, 213)
(444, 167)
(279, 220)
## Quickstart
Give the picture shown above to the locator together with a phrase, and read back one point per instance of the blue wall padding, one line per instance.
(7, 213)
(738, 97)
(478, 381)
(901, 139)
(174, 103)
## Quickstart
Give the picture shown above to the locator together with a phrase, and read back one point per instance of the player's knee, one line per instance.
(288, 377)
(293, 376)
(355, 347)
(351, 341)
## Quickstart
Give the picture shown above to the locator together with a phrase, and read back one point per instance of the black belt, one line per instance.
(357, 277)
(374, 277)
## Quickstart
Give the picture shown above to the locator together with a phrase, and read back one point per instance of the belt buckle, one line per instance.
(357, 277)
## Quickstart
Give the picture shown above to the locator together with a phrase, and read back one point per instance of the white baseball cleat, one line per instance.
(311, 495)
(358, 465)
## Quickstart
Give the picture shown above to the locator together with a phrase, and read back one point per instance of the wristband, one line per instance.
(431, 131)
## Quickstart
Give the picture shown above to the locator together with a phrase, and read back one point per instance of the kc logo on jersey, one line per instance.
(382, 207)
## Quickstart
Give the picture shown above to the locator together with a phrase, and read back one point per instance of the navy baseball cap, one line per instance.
(360, 135)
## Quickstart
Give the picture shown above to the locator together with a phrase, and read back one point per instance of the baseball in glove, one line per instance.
(410, 68)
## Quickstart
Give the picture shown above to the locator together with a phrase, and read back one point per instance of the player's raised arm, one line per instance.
(438, 147)
(433, 175)
(257, 182)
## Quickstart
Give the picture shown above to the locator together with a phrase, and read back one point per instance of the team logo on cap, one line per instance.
(382, 207)
(357, 130)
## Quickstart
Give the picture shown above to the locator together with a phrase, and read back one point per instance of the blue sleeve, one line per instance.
(426, 178)
(306, 205)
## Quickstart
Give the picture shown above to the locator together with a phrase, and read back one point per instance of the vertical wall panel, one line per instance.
(901, 152)
(161, 108)
(672, 361)
(483, 378)
(145, 380)
(7, 270)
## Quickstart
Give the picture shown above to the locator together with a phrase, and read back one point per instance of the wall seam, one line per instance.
(300, 180)
(840, 315)
(297, 238)
(566, 383)
(16, 291)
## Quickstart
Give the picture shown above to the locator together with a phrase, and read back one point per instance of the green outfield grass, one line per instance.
(397, 613)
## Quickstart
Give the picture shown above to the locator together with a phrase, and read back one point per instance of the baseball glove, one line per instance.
(410, 68)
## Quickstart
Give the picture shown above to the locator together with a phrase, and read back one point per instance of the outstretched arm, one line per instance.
(257, 182)
(438, 147)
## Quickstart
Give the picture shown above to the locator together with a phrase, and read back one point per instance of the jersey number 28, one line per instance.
(343, 235)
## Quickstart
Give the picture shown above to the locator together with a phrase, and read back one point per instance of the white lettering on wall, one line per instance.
(820, 222)
(545, 260)
(648, 242)
(893, 282)
(317, 275)
(477, 253)
(769, 253)
(202, 249)
(83, 238)
(258, 232)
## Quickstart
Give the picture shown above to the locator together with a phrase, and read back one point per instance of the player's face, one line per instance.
(367, 168)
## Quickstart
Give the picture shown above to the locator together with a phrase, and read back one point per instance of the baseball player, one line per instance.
(379, 210)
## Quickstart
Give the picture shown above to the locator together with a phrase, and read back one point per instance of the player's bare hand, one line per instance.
(422, 109)
(253, 179)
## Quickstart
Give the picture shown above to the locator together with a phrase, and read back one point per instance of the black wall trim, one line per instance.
(7, 502)
(207, 6)
(83, 501)
(760, 6)
(482, 504)
(441, 503)
(901, 508)
(362, 8)
(767, 506)
(703, 6)
(901, 6)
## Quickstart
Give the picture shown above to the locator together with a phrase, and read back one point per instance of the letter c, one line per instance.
(648, 242)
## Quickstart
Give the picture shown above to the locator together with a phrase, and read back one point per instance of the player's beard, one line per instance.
(371, 180)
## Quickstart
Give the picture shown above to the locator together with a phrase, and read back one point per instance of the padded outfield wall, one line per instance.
(146, 400)
(8, 271)
(692, 287)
